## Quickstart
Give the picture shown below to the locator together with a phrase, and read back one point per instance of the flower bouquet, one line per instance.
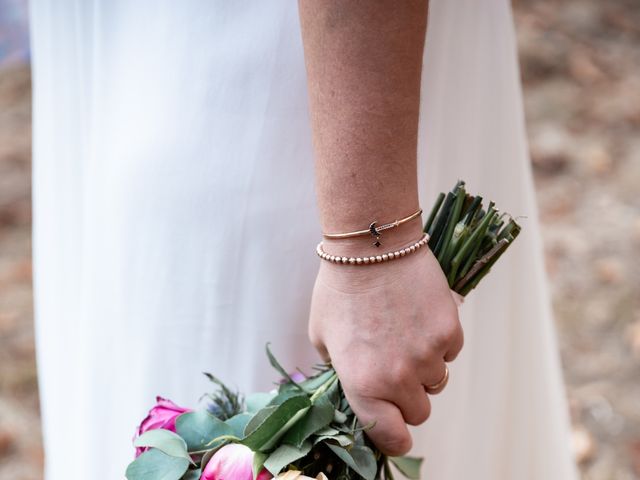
(305, 427)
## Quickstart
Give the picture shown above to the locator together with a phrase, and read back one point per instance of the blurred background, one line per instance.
(580, 62)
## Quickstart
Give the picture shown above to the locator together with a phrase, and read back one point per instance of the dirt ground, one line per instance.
(581, 73)
(581, 63)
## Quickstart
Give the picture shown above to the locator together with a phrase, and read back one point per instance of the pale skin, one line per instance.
(389, 328)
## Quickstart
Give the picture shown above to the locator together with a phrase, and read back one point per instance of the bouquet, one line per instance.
(305, 427)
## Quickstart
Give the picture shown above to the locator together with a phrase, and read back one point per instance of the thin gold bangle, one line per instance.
(374, 230)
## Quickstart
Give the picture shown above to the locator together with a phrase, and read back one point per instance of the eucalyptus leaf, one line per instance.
(284, 395)
(238, 423)
(156, 465)
(359, 438)
(334, 392)
(257, 401)
(165, 441)
(319, 416)
(408, 466)
(327, 431)
(199, 428)
(284, 455)
(342, 439)
(359, 458)
(265, 435)
(339, 417)
(313, 383)
(260, 416)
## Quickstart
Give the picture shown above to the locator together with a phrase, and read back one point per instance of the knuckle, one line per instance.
(401, 373)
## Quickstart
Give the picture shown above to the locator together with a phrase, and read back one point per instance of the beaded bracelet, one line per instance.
(385, 257)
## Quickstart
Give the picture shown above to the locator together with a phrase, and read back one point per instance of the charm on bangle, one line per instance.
(375, 233)
(374, 230)
(385, 257)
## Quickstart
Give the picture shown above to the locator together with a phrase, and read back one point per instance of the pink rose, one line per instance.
(232, 462)
(162, 415)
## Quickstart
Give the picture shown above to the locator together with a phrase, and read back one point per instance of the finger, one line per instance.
(434, 373)
(414, 405)
(433, 388)
(389, 433)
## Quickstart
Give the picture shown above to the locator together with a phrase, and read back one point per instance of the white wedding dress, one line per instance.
(175, 225)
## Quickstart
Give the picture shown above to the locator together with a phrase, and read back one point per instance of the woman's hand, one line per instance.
(387, 329)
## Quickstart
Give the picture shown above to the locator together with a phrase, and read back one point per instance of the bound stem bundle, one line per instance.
(466, 238)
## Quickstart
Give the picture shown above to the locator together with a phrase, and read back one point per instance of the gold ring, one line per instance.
(438, 387)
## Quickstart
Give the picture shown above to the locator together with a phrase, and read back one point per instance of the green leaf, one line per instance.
(164, 440)
(265, 435)
(334, 393)
(199, 428)
(408, 466)
(284, 455)
(239, 423)
(359, 458)
(192, 475)
(258, 461)
(319, 416)
(341, 439)
(312, 383)
(284, 395)
(260, 416)
(327, 431)
(275, 364)
(156, 465)
(339, 417)
(257, 401)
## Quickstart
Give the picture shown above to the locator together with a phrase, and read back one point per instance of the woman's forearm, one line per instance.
(364, 62)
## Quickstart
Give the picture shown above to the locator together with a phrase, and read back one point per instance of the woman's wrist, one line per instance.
(364, 245)
(354, 279)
